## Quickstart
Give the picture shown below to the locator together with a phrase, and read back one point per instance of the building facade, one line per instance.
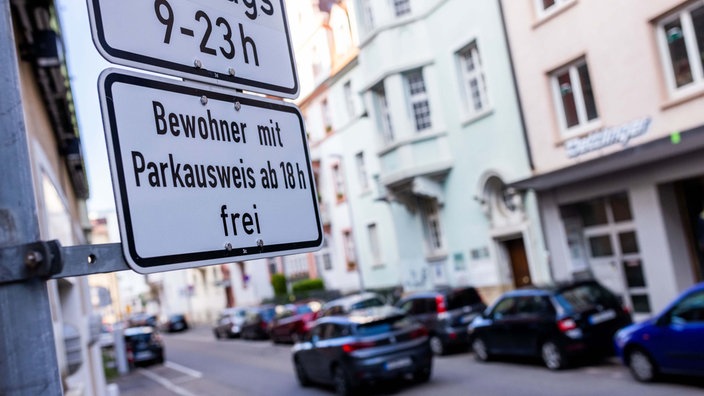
(436, 82)
(613, 107)
(59, 183)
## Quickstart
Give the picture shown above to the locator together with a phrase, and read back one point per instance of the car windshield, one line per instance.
(368, 303)
(584, 297)
(462, 298)
(302, 309)
(383, 326)
(267, 314)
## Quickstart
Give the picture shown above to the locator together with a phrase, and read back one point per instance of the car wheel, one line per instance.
(481, 352)
(343, 387)
(301, 375)
(437, 346)
(423, 374)
(217, 334)
(641, 366)
(553, 356)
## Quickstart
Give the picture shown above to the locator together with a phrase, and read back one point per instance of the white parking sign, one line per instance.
(204, 175)
(238, 43)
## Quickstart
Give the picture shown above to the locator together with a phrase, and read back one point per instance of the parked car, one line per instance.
(142, 319)
(107, 337)
(256, 323)
(292, 321)
(556, 323)
(671, 342)
(344, 305)
(363, 347)
(229, 323)
(144, 345)
(175, 323)
(445, 313)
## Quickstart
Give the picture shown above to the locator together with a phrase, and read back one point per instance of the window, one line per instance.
(546, 7)
(348, 242)
(689, 310)
(383, 113)
(574, 96)
(339, 181)
(273, 268)
(418, 98)
(374, 246)
(432, 226)
(325, 112)
(681, 39)
(349, 99)
(361, 171)
(402, 7)
(472, 79)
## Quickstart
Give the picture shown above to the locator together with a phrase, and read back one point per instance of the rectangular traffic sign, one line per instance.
(243, 44)
(203, 175)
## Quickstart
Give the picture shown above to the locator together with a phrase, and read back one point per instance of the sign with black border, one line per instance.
(204, 175)
(240, 44)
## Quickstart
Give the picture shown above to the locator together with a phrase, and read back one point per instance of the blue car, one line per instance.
(669, 343)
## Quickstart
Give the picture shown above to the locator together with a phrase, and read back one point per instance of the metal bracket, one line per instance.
(45, 260)
(31, 260)
(83, 260)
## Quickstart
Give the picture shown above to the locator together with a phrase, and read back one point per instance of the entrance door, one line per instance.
(519, 262)
(614, 254)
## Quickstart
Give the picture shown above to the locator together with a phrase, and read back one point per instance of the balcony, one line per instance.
(417, 165)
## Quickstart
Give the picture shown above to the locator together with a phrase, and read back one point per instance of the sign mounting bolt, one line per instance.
(198, 64)
(204, 100)
(228, 246)
(238, 106)
(260, 243)
(231, 70)
(33, 259)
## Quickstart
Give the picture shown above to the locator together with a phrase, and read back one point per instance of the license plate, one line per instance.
(602, 316)
(398, 363)
(143, 355)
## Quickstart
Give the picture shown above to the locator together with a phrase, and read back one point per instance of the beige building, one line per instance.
(613, 97)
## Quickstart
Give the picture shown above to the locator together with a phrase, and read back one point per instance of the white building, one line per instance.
(415, 131)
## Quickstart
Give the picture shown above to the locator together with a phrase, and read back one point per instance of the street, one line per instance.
(197, 364)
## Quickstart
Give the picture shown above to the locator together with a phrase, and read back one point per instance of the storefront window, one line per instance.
(628, 241)
(593, 213)
(633, 269)
(641, 303)
(620, 207)
(601, 246)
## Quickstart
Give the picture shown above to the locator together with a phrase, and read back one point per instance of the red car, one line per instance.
(292, 321)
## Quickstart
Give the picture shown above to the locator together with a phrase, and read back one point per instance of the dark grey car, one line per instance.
(445, 312)
(364, 347)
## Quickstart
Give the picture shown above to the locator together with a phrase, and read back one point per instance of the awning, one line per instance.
(632, 157)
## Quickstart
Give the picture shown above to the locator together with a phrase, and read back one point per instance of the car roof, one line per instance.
(439, 291)
(363, 316)
(549, 288)
(130, 331)
(352, 299)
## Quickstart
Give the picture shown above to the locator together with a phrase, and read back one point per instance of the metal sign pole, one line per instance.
(28, 363)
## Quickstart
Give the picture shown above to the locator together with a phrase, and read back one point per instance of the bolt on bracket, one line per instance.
(31, 260)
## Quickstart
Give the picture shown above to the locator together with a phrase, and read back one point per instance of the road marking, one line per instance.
(184, 369)
(165, 383)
